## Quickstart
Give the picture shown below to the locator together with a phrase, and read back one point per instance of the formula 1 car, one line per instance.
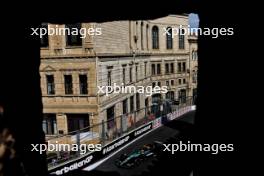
(134, 158)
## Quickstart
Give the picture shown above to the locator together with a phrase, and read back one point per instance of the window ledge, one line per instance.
(73, 47)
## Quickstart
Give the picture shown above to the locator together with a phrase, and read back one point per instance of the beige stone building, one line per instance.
(138, 53)
(193, 66)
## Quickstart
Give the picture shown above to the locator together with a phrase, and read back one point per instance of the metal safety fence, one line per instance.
(107, 131)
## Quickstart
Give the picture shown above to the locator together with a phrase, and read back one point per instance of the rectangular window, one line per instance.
(110, 113)
(73, 40)
(182, 96)
(136, 73)
(125, 106)
(169, 39)
(146, 102)
(141, 37)
(50, 85)
(132, 104)
(83, 84)
(170, 95)
(145, 69)
(181, 40)
(194, 77)
(77, 122)
(130, 74)
(68, 84)
(155, 37)
(179, 68)
(172, 82)
(109, 80)
(158, 69)
(49, 124)
(179, 81)
(184, 66)
(124, 76)
(44, 41)
(153, 84)
(147, 29)
(153, 69)
(137, 101)
(167, 83)
(172, 68)
(167, 68)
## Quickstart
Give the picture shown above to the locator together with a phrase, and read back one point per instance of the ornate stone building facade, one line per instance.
(138, 53)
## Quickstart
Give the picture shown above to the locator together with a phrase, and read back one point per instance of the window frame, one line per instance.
(124, 75)
(69, 38)
(137, 101)
(52, 84)
(44, 41)
(181, 40)
(167, 68)
(169, 39)
(172, 67)
(50, 119)
(68, 90)
(141, 35)
(83, 91)
(155, 37)
(131, 103)
(158, 69)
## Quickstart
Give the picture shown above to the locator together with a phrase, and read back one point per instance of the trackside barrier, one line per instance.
(176, 114)
(158, 122)
(93, 157)
(141, 127)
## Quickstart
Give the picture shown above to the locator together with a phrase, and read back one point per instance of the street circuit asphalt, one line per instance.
(179, 129)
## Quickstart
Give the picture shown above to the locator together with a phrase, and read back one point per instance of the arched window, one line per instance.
(141, 33)
(169, 38)
(147, 28)
(181, 39)
(155, 37)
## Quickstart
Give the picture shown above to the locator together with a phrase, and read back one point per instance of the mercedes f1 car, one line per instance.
(134, 158)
